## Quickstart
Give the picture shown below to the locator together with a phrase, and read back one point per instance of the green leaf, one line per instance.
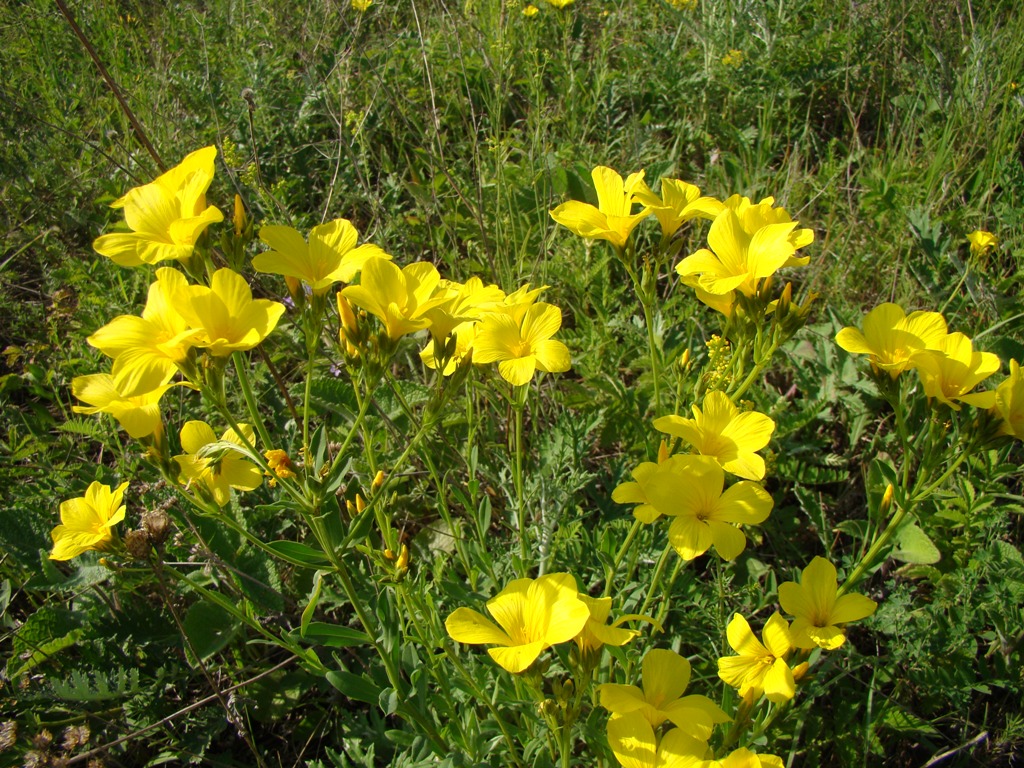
(209, 629)
(354, 686)
(914, 546)
(299, 554)
(44, 633)
(333, 635)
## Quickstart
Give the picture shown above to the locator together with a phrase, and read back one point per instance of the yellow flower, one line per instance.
(597, 632)
(398, 297)
(738, 258)
(634, 492)
(147, 349)
(560, 4)
(725, 433)
(744, 758)
(951, 370)
(734, 58)
(465, 335)
(279, 463)
(530, 10)
(1009, 403)
(522, 348)
(689, 489)
(532, 614)
(891, 337)
(219, 469)
(635, 745)
(613, 219)
(679, 202)
(138, 415)
(361, 5)
(818, 607)
(330, 256)
(759, 666)
(166, 217)
(87, 522)
(665, 675)
(228, 316)
(453, 304)
(982, 242)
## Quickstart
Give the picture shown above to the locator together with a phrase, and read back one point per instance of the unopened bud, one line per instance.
(800, 670)
(360, 504)
(157, 526)
(239, 217)
(684, 360)
(402, 563)
(294, 289)
(663, 453)
(389, 554)
(137, 544)
(378, 480)
(350, 508)
(348, 317)
(886, 504)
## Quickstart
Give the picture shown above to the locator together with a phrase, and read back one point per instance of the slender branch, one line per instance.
(140, 132)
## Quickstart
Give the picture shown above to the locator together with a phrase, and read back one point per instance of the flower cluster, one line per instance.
(949, 366)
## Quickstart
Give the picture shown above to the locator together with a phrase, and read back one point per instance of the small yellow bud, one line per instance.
(348, 317)
(800, 670)
(886, 503)
(294, 288)
(684, 360)
(663, 453)
(378, 480)
(350, 508)
(239, 218)
(360, 504)
(389, 554)
(402, 564)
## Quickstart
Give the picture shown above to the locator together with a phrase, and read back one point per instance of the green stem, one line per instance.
(250, 400)
(481, 696)
(653, 350)
(518, 404)
(306, 395)
(394, 677)
(610, 577)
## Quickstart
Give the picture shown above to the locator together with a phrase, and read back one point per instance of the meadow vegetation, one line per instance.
(431, 334)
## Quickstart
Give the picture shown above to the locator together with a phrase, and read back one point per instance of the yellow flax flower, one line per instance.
(613, 218)
(678, 203)
(891, 337)
(689, 489)
(1009, 403)
(221, 470)
(560, 4)
(87, 522)
(744, 758)
(532, 615)
(635, 745)
(147, 349)
(521, 348)
(597, 632)
(818, 608)
(166, 217)
(229, 318)
(139, 415)
(456, 303)
(530, 10)
(665, 675)
(329, 257)
(738, 259)
(720, 430)
(633, 492)
(399, 298)
(982, 242)
(465, 335)
(759, 667)
(951, 370)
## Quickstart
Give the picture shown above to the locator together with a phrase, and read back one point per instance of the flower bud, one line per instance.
(378, 480)
(157, 526)
(663, 454)
(402, 563)
(239, 217)
(137, 544)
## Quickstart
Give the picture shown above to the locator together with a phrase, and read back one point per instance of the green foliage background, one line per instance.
(446, 132)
